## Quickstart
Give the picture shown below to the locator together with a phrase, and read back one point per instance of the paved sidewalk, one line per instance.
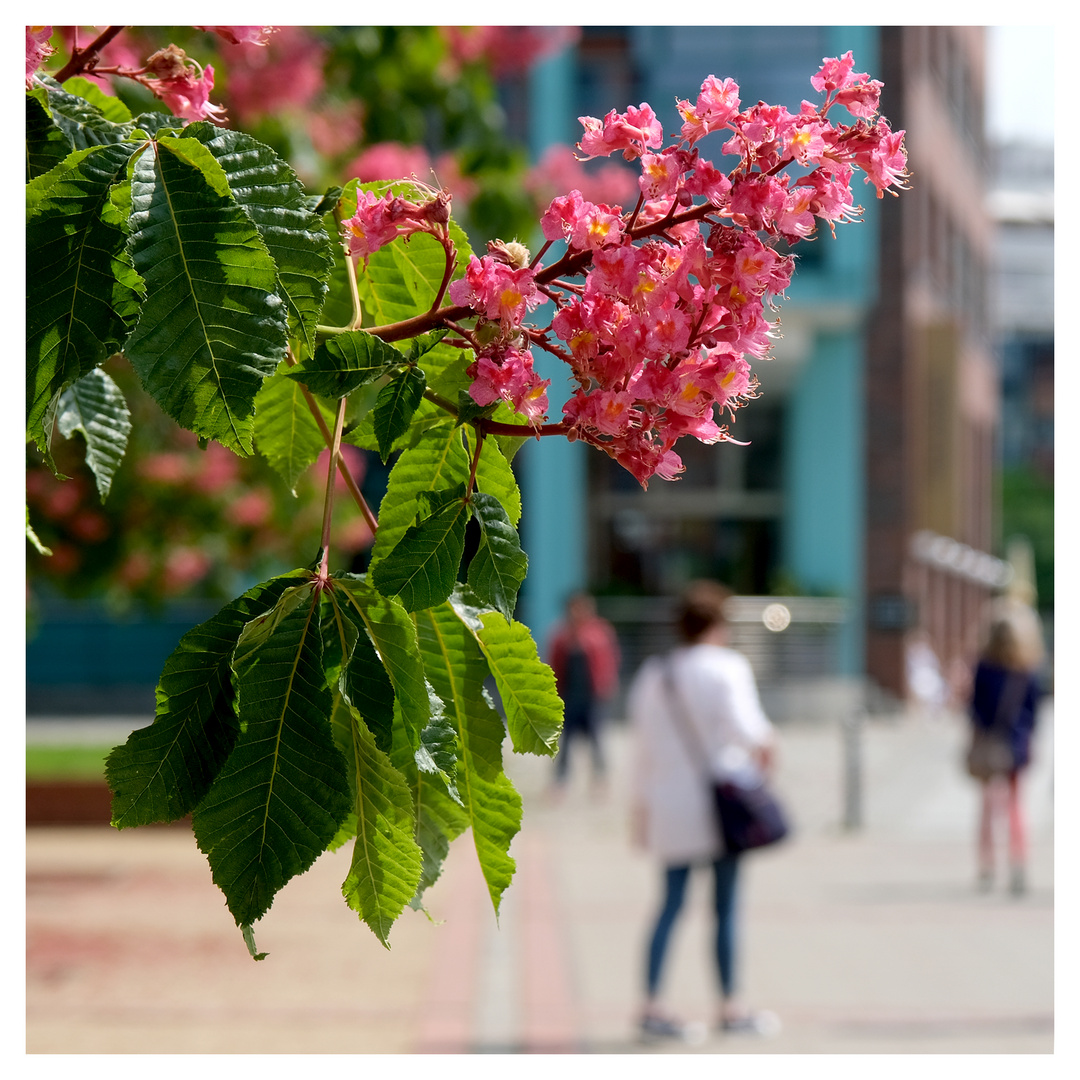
(864, 942)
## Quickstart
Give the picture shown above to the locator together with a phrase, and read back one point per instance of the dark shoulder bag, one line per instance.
(990, 751)
(748, 813)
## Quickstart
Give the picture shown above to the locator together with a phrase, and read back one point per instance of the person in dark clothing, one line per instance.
(584, 654)
(1005, 696)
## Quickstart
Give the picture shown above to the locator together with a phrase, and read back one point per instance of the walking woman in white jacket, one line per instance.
(672, 808)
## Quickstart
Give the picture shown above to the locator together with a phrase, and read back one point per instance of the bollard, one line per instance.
(851, 729)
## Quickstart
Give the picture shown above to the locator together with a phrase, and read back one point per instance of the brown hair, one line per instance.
(1015, 642)
(700, 608)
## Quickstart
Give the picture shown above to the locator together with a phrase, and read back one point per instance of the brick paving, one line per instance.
(867, 941)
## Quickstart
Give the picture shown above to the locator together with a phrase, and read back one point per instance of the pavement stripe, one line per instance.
(549, 1007)
(459, 900)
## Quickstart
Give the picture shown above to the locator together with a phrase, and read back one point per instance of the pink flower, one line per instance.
(241, 35)
(389, 161)
(884, 160)
(716, 106)
(632, 132)
(508, 375)
(37, 49)
(492, 288)
(836, 74)
(584, 225)
(188, 94)
(184, 566)
(287, 74)
(251, 510)
(507, 49)
(661, 174)
(381, 219)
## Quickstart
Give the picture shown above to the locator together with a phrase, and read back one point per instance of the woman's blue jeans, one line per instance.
(725, 873)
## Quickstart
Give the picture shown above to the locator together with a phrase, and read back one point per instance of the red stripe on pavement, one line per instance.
(458, 900)
(548, 1001)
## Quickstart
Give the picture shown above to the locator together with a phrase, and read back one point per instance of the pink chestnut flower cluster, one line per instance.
(676, 291)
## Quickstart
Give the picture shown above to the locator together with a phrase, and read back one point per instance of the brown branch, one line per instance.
(82, 59)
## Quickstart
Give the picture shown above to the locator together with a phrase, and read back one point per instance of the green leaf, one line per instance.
(345, 362)
(46, 144)
(424, 343)
(526, 685)
(111, 108)
(393, 635)
(82, 295)
(212, 327)
(439, 461)
(286, 432)
(84, 123)
(94, 406)
(283, 792)
(422, 570)
(495, 477)
(395, 406)
(163, 770)
(386, 862)
(498, 568)
(273, 197)
(457, 670)
(438, 746)
(363, 680)
(439, 821)
(33, 537)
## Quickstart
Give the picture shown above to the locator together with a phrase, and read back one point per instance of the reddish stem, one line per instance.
(81, 59)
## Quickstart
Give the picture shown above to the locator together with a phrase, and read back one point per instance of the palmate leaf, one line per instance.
(345, 362)
(393, 635)
(457, 670)
(212, 327)
(422, 569)
(271, 194)
(286, 432)
(283, 792)
(94, 407)
(439, 462)
(495, 477)
(163, 770)
(82, 121)
(46, 144)
(397, 402)
(534, 710)
(355, 665)
(82, 294)
(498, 568)
(386, 861)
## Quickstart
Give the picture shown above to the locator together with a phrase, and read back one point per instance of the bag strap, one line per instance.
(682, 719)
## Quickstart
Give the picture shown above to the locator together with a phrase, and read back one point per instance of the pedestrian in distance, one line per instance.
(584, 654)
(1004, 702)
(710, 686)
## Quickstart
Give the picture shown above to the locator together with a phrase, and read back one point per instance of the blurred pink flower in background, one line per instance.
(559, 171)
(184, 566)
(389, 161)
(168, 468)
(334, 128)
(288, 73)
(251, 510)
(507, 49)
(215, 468)
(241, 35)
